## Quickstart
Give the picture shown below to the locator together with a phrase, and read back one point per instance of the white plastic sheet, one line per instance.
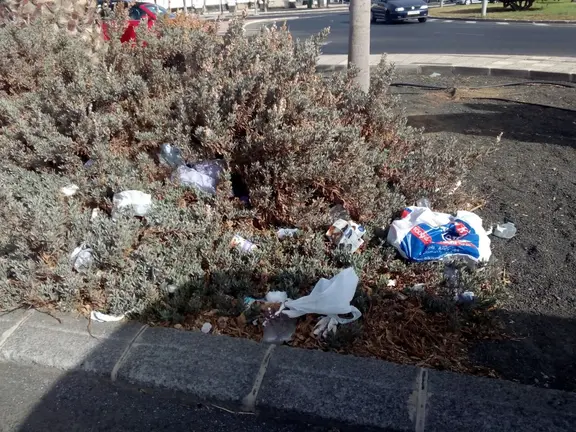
(203, 175)
(329, 297)
(132, 202)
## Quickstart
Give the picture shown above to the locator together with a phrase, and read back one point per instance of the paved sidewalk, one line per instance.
(543, 68)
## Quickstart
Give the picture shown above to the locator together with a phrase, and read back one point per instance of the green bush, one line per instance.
(299, 142)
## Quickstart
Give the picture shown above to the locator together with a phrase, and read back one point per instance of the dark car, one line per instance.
(398, 10)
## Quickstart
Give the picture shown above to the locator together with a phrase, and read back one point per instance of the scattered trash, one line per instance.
(95, 214)
(401, 296)
(171, 289)
(69, 190)
(325, 326)
(243, 245)
(391, 283)
(339, 212)
(171, 156)
(499, 137)
(424, 235)
(346, 235)
(133, 202)
(287, 232)
(276, 297)
(456, 187)
(416, 288)
(505, 231)
(279, 329)
(178, 326)
(329, 297)
(203, 176)
(423, 202)
(435, 75)
(102, 317)
(89, 163)
(465, 298)
(81, 258)
(206, 327)
(249, 301)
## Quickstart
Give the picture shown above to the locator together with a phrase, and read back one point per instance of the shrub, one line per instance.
(297, 142)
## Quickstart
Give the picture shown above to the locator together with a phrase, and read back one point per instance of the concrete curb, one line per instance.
(504, 20)
(280, 12)
(426, 69)
(304, 385)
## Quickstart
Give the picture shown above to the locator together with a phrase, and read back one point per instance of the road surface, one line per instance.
(34, 399)
(441, 36)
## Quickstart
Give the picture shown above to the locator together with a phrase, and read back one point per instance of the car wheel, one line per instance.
(388, 17)
(422, 20)
(373, 19)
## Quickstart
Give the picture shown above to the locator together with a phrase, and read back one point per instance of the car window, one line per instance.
(135, 13)
(156, 10)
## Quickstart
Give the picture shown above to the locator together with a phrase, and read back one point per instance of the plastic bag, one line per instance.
(329, 297)
(346, 235)
(81, 258)
(133, 202)
(424, 235)
(204, 176)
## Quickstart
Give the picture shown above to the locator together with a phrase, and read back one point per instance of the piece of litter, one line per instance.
(81, 258)
(339, 212)
(391, 283)
(346, 235)
(276, 297)
(465, 298)
(456, 187)
(279, 329)
(95, 213)
(499, 137)
(417, 287)
(325, 326)
(435, 75)
(206, 327)
(329, 297)
(171, 156)
(102, 317)
(505, 231)
(171, 289)
(286, 232)
(203, 175)
(69, 190)
(132, 202)
(241, 244)
(423, 202)
(423, 235)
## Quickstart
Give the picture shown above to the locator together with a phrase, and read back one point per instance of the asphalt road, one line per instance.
(442, 36)
(34, 399)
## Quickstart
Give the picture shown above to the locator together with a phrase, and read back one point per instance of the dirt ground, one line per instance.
(528, 179)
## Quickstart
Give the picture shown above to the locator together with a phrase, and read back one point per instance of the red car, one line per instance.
(137, 13)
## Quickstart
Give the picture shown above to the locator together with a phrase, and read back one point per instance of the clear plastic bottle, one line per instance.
(505, 231)
(171, 155)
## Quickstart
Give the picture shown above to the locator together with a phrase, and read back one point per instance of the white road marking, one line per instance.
(432, 19)
(448, 21)
(503, 23)
(541, 24)
(470, 22)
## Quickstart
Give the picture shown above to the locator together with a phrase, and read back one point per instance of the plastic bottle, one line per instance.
(171, 155)
(505, 231)
(423, 202)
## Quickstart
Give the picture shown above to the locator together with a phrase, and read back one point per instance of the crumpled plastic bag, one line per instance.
(329, 297)
(424, 235)
(132, 202)
(102, 317)
(81, 258)
(171, 156)
(325, 326)
(203, 175)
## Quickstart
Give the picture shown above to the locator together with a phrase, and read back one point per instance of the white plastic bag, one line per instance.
(203, 175)
(329, 297)
(424, 235)
(102, 317)
(133, 202)
(81, 258)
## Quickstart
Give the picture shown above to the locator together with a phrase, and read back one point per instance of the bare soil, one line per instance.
(528, 179)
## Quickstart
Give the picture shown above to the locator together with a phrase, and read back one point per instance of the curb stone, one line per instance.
(504, 20)
(314, 386)
(427, 69)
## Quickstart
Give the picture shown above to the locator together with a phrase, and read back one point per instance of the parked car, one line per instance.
(137, 12)
(398, 10)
